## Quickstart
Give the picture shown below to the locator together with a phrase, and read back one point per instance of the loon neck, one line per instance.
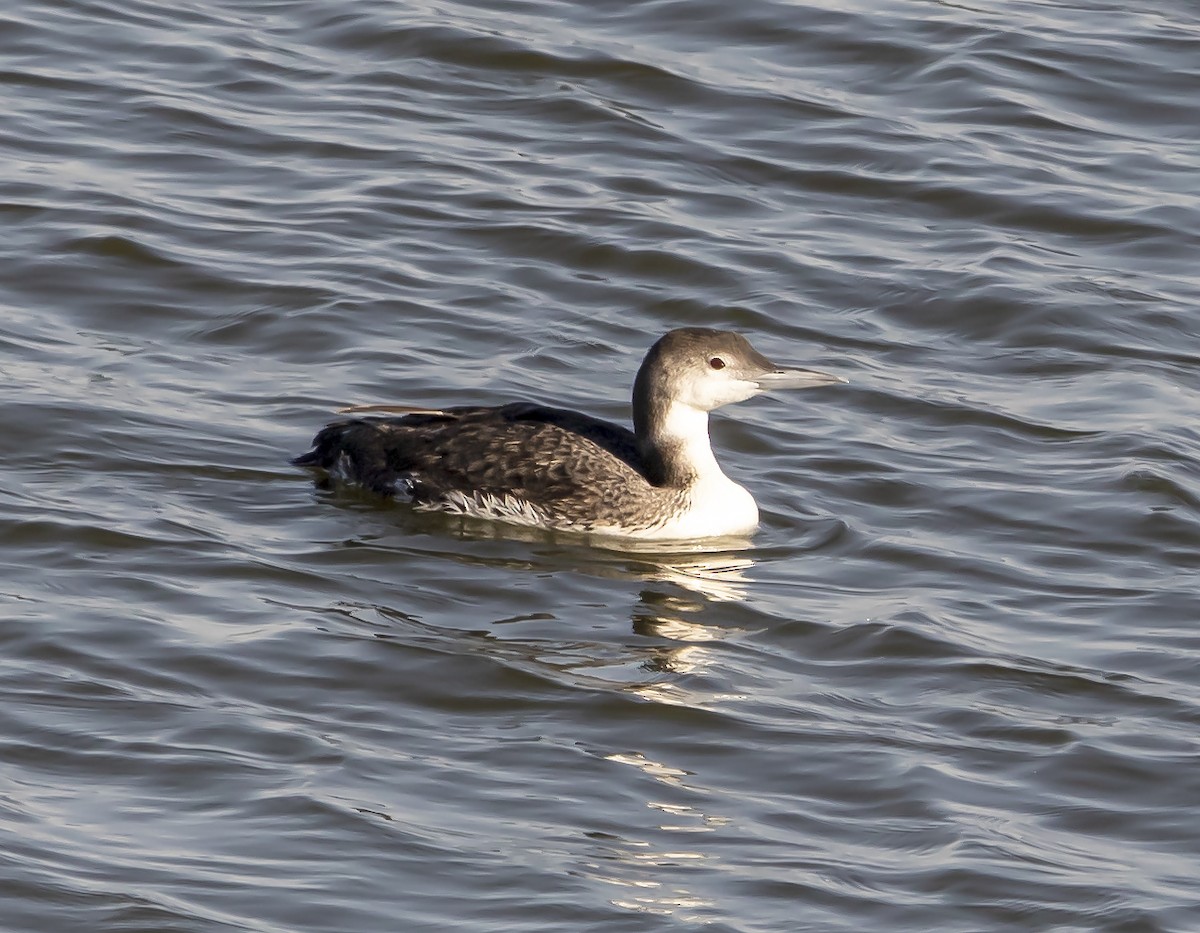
(675, 446)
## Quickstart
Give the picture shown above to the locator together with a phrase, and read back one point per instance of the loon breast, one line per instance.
(712, 509)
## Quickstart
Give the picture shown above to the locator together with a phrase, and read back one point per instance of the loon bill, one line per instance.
(563, 470)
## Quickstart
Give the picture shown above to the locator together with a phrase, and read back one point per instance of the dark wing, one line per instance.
(524, 451)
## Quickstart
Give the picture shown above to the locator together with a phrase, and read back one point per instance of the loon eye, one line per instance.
(716, 363)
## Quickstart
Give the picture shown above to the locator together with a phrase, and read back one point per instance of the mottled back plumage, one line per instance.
(563, 467)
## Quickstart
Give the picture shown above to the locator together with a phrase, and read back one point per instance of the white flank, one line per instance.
(486, 505)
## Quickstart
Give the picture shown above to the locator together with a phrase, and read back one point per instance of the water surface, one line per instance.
(951, 684)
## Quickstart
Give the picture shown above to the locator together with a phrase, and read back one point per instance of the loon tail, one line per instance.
(326, 447)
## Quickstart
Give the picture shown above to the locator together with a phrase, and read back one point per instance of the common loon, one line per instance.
(559, 469)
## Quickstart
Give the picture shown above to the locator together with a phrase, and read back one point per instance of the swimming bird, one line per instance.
(554, 468)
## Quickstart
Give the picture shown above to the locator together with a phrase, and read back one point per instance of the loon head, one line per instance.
(702, 369)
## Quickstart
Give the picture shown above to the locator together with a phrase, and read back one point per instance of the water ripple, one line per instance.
(950, 684)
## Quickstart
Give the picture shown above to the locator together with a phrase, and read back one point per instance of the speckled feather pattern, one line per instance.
(521, 462)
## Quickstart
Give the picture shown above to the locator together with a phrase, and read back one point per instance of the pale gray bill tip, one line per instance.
(796, 379)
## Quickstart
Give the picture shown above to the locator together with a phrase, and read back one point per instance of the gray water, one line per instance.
(952, 684)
